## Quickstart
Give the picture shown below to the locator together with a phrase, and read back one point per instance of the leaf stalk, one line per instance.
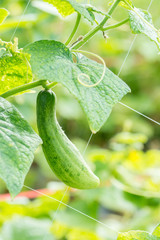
(23, 88)
(74, 29)
(115, 25)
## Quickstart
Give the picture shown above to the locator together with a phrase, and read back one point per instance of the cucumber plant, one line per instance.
(46, 63)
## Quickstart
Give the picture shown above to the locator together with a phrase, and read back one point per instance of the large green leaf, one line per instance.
(67, 7)
(52, 61)
(3, 14)
(18, 142)
(141, 22)
(14, 71)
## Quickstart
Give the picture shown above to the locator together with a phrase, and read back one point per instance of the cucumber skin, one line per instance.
(63, 157)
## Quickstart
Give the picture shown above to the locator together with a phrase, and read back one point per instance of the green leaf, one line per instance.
(136, 235)
(141, 22)
(67, 7)
(26, 228)
(15, 70)
(3, 14)
(18, 142)
(52, 61)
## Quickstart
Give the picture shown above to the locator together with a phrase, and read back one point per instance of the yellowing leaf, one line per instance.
(77, 234)
(14, 71)
(59, 230)
(125, 4)
(3, 14)
(135, 235)
(63, 7)
(67, 7)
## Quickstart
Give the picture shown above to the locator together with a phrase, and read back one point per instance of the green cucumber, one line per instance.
(63, 157)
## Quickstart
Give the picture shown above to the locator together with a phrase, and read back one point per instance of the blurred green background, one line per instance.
(124, 153)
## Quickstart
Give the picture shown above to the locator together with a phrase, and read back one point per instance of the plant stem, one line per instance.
(74, 29)
(115, 25)
(24, 87)
(97, 28)
(48, 86)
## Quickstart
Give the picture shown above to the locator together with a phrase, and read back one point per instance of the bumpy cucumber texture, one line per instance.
(63, 157)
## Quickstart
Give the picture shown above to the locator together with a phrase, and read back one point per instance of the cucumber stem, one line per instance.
(23, 88)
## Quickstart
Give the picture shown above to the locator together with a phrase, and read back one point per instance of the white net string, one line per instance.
(134, 110)
(74, 209)
(28, 3)
(61, 201)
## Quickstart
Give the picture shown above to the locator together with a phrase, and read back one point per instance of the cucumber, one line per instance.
(63, 157)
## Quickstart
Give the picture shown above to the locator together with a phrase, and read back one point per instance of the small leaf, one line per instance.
(52, 61)
(18, 142)
(93, 10)
(141, 22)
(15, 70)
(67, 7)
(3, 14)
